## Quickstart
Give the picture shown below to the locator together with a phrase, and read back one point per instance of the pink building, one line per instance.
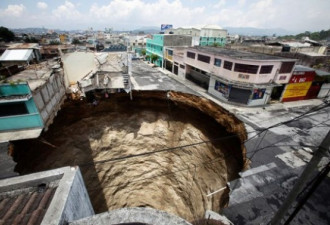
(236, 76)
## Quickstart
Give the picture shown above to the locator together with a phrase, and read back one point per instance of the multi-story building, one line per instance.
(236, 76)
(209, 35)
(212, 35)
(157, 44)
(30, 100)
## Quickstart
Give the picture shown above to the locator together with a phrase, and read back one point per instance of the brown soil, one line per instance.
(176, 181)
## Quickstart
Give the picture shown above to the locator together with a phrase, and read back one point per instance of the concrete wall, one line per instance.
(134, 216)
(177, 40)
(71, 201)
(49, 98)
(325, 91)
(77, 65)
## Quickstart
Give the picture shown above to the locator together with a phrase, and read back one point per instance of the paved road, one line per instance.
(277, 159)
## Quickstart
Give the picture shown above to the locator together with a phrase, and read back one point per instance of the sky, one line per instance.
(291, 15)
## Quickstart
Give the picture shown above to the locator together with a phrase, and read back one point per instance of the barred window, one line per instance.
(246, 68)
(266, 69)
(286, 67)
(204, 58)
(191, 55)
(227, 65)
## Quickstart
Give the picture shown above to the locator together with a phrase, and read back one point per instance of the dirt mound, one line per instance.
(114, 144)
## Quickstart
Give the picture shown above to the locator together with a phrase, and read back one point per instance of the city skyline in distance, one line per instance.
(292, 15)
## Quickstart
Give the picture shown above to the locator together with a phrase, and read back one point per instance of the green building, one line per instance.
(158, 42)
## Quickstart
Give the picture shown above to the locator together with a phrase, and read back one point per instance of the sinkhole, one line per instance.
(166, 150)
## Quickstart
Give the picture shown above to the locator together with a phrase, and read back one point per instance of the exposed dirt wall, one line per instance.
(176, 179)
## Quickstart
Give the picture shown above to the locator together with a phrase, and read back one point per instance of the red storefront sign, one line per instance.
(302, 76)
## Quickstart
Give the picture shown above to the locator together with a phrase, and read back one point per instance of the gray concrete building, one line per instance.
(52, 197)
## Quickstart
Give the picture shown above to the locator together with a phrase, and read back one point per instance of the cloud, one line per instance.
(67, 11)
(13, 10)
(220, 4)
(138, 13)
(42, 5)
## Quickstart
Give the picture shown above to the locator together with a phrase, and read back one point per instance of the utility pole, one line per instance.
(302, 180)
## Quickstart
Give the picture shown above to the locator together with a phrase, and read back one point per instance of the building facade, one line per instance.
(30, 100)
(300, 85)
(235, 76)
(157, 44)
(209, 35)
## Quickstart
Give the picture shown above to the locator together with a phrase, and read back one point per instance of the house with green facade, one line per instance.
(156, 45)
(30, 100)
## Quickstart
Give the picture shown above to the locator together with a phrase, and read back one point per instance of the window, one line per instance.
(286, 67)
(282, 78)
(245, 68)
(243, 76)
(191, 55)
(181, 66)
(266, 69)
(204, 58)
(217, 62)
(170, 52)
(12, 109)
(227, 65)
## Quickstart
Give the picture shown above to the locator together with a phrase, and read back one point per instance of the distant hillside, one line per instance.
(35, 30)
(317, 36)
(251, 31)
(147, 30)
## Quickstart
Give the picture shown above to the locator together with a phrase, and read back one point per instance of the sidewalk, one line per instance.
(263, 116)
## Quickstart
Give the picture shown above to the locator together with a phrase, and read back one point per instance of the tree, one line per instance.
(30, 40)
(143, 52)
(154, 58)
(6, 34)
(147, 57)
(54, 42)
(75, 41)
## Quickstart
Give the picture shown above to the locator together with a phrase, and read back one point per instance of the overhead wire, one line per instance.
(197, 143)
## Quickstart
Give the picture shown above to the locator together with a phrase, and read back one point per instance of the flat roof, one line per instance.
(239, 54)
(302, 68)
(322, 73)
(36, 74)
(24, 46)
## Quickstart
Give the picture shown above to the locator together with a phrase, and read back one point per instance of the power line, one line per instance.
(197, 143)
(314, 109)
(173, 172)
(157, 151)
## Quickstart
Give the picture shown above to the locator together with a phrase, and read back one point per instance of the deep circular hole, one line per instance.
(197, 155)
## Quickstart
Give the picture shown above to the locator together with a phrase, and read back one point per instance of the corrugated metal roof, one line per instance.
(25, 206)
(16, 55)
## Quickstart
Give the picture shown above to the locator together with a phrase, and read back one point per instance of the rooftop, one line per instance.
(302, 68)
(36, 74)
(42, 198)
(16, 55)
(24, 46)
(212, 26)
(239, 54)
